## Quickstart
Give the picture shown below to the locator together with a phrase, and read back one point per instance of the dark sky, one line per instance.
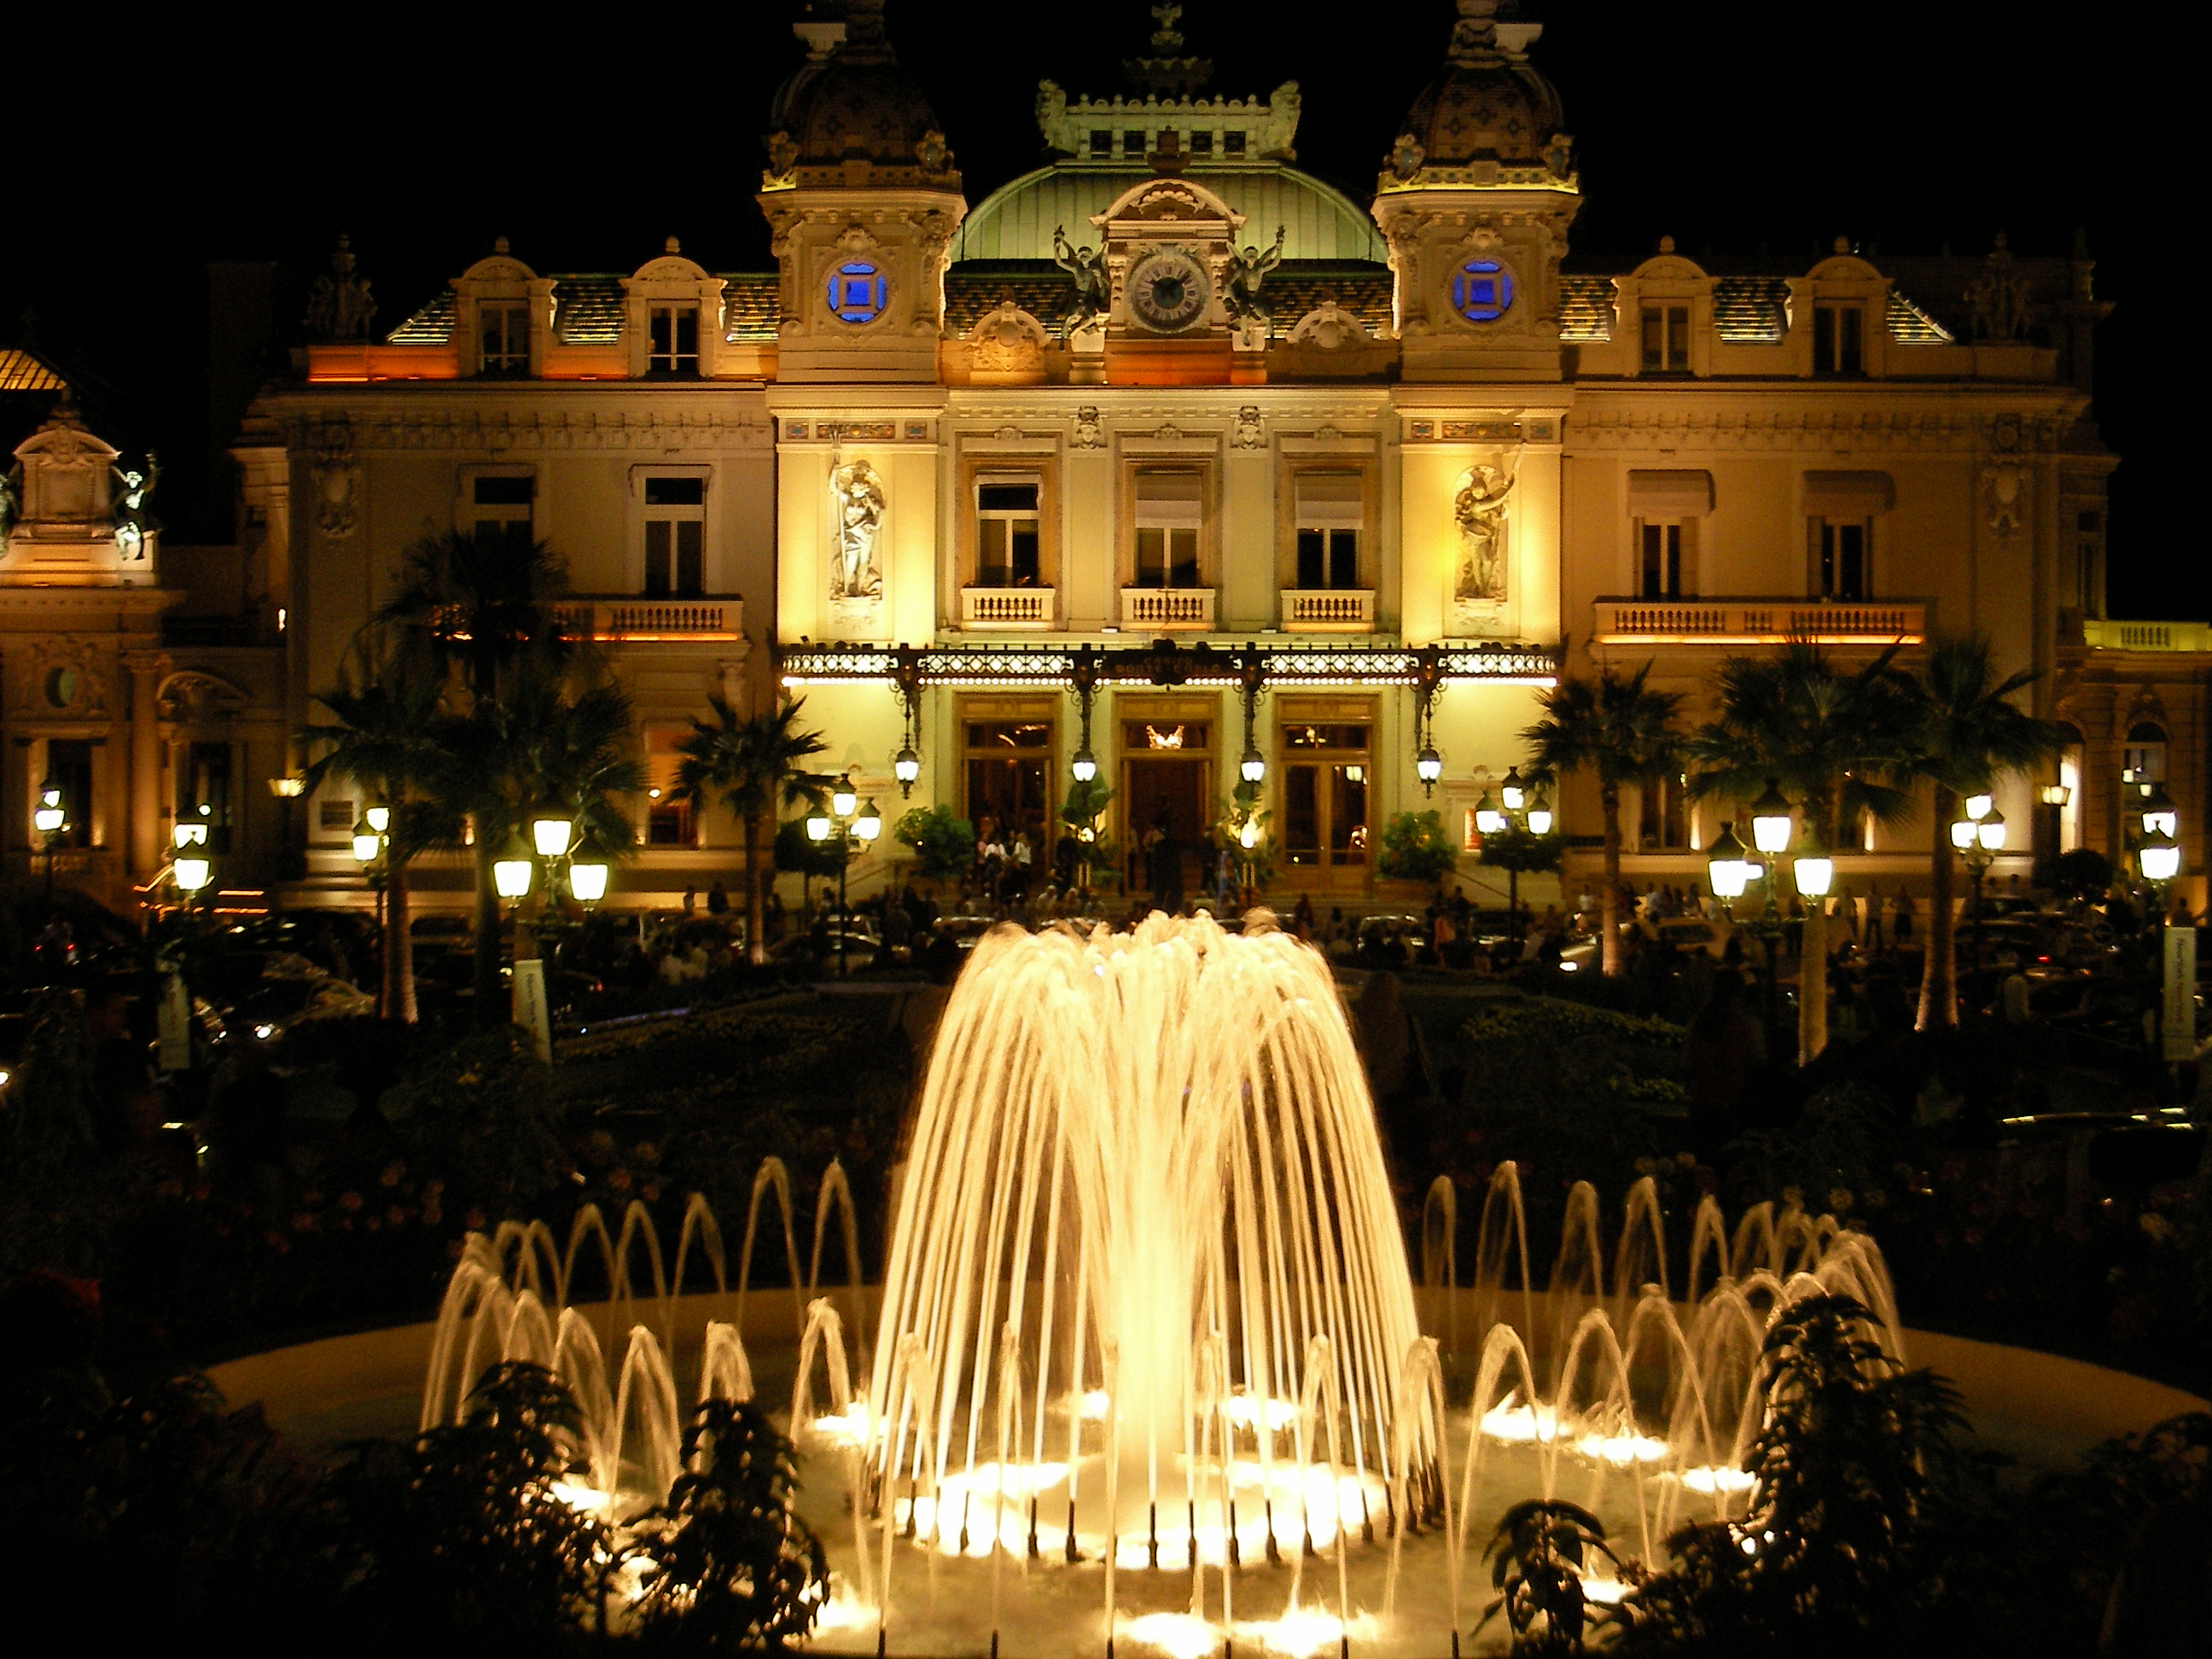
(136, 157)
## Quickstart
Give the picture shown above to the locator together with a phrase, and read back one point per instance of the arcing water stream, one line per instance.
(1147, 1309)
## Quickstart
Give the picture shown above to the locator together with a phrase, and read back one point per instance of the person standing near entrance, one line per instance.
(1163, 865)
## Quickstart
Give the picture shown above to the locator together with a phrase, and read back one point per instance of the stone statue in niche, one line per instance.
(856, 566)
(133, 497)
(1087, 269)
(1479, 509)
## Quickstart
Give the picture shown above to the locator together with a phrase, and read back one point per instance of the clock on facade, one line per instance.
(1168, 290)
(1482, 290)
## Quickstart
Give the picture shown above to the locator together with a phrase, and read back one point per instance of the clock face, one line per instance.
(1168, 290)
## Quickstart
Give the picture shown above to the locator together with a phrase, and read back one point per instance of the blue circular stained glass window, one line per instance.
(857, 292)
(1482, 290)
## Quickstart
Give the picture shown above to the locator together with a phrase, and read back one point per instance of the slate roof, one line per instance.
(1585, 308)
(589, 309)
(1750, 310)
(23, 371)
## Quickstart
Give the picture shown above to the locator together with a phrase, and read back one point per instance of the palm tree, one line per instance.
(750, 766)
(383, 736)
(1624, 732)
(482, 613)
(1967, 734)
(1835, 740)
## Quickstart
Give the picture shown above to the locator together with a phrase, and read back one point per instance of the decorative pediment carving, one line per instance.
(194, 696)
(1329, 327)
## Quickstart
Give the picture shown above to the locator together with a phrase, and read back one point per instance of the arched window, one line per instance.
(2142, 762)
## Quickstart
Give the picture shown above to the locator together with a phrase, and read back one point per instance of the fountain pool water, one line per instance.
(1147, 1336)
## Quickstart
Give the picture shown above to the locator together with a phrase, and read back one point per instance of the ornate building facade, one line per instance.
(1168, 451)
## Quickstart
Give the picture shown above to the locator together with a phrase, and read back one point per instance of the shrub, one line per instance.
(462, 1530)
(943, 844)
(2083, 873)
(1865, 1518)
(1416, 848)
(481, 1115)
(736, 1568)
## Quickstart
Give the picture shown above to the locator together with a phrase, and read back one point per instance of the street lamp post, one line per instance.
(1979, 833)
(848, 820)
(1520, 810)
(52, 822)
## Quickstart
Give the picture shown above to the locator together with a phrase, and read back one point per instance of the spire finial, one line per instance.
(672, 246)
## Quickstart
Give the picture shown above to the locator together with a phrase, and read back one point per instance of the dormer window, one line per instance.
(1132, 143)
(673, 337)
(1232, 144)
(1101, 145)
(1838, 335)
(1666, 339)
(1201, 143)
(504, 333)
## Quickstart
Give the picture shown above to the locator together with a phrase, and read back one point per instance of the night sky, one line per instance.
(136, 155)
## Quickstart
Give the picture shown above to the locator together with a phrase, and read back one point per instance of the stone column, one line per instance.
(147, 669)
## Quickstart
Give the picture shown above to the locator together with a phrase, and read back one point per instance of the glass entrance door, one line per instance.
(1325, 806)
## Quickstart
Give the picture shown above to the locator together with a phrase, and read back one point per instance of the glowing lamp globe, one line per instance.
(1249, 834)
(1084, 765)
(1815, 869)
(551, 836)
(1726, 868)
(1253, 766)
(1962, 833)
(2159, 817)
(367, 843)
(192, 873)
(588, 880)
(1979, 803)
(907, 767)
(1991, 832)
(510, 877)
(379, 818)
(1540, 819)
(2055, 794)
(1770, 820)
(844, 799)
(817, 827)
(1513, 792)
(2159, 858)
(869, 824)
(186, 834)
(1428, 765)
(1487, 818)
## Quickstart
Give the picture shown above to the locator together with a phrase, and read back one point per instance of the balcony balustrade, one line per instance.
(1738, 621)
(1008, 607)
(1329, 610)
(1168, 607)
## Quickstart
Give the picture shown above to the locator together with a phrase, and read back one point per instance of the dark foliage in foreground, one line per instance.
(462, 1530)
(735, 1568)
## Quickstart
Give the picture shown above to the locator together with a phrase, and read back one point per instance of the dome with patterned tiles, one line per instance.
(1489, 106)
(850, 116)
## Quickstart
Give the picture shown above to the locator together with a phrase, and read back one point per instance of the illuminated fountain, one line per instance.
(1147, 1313)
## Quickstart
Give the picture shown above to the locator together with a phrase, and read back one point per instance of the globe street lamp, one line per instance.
(1979, 835)
(906, 767)
(848, 820)
(1770, 820)
(1727, 871)
(50, 819)
(1530, 814)
(588, 880)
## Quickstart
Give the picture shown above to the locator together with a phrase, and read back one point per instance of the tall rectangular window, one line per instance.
(203, 791)
(500, 508)
(675, 537)
(672, 347)
(68, 764)
(1837, 339)
(1006, 535)
(1171, 511)
(1666, 339)
(2088, 544)
(1132, 143)
(1843, 568)
(1331, 511)
(1663, 548)
(1662, 823)
(504, 333)
(668, 818)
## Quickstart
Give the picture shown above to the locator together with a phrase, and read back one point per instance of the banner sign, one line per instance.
(2177, 1016)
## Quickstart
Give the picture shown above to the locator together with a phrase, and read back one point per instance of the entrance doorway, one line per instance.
(1327, 771)
(1167, 775)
